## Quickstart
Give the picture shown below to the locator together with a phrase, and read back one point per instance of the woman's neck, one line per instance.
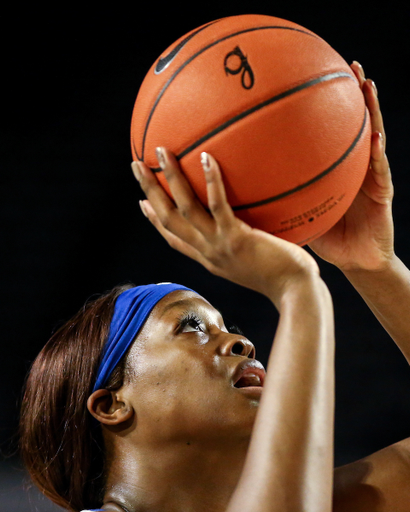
(177, 477)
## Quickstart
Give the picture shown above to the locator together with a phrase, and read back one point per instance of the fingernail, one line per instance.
(205, 161)
(144, 211)
(136, 170)
(160, 157)
(375, 88)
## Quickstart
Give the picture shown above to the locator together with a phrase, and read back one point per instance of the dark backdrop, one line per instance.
(71, 225)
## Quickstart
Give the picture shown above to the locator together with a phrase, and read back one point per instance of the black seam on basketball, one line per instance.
(164, 62)
(259, 106)
(135, 149)
(311, 181)
(199, 53)
(303, 185)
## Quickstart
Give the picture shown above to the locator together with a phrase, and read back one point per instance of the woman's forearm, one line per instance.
(289, 466)
(387, 293)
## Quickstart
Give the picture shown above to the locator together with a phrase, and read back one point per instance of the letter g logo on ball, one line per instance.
(235, 62)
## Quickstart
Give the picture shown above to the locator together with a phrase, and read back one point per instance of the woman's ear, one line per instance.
(105, 406)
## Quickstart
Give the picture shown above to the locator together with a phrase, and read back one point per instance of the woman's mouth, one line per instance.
(249, 377)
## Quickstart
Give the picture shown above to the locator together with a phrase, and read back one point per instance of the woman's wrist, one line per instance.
(304, 285)
(385, 266)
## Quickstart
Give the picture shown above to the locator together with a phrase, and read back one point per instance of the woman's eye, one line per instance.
(192, 324)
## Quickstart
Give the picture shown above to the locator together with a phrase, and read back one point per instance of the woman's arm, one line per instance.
(363, 238)
(289, 466)
(387, 293)
(361, 243)
(379, 482)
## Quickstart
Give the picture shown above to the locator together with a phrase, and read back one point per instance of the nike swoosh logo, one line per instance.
(164, 62)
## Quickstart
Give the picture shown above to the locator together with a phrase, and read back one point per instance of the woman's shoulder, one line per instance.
(386, 471)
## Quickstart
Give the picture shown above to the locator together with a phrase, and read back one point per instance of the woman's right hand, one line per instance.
(222, 243)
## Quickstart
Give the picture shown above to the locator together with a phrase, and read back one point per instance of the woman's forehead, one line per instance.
(181, 299)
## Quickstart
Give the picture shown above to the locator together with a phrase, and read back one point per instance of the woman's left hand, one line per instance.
(222, 243)
(363, 237)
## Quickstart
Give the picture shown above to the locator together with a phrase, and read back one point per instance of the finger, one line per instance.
(359, 72)
(174, 241)
(380, 167)
(378, 156)
(164, 207)
(187, 202)
(371, 97)
(218, 204)
(373, 105)
(150, 184)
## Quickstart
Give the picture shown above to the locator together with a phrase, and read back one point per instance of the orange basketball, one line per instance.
(279, 109)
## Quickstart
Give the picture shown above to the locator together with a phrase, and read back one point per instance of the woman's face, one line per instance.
(184, 366)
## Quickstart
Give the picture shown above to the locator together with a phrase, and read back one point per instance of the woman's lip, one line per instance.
(252, 390)
(249, 366)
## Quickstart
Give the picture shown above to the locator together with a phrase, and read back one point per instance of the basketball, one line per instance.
(280, 110)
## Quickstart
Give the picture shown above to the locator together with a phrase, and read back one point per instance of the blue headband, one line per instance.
(131, 310)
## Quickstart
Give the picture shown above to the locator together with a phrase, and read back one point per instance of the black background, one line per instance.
(71, 225)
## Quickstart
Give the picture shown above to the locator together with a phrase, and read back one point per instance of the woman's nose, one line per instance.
(238, 346)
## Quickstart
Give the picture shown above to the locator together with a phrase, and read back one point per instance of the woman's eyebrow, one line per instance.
(185, 303)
